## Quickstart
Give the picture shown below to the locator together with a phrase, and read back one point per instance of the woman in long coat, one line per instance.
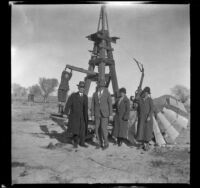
(120, 130)
(145, 119)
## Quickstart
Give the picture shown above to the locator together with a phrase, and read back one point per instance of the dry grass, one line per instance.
(18, 164)
(175, 163)
(160, 163)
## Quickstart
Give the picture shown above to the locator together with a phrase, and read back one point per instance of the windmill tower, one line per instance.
(102, 55)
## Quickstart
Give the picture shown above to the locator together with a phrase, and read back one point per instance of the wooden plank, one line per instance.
(81, 70)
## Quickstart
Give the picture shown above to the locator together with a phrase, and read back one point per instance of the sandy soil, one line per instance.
(42, 153)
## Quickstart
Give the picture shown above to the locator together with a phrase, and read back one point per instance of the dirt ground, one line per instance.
(42, 153)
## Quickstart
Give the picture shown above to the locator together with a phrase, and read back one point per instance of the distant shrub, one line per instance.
(181, 92)
(47, 86)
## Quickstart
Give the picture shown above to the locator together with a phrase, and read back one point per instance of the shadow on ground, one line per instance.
(131, 143)
(66, 138)
(63, 137)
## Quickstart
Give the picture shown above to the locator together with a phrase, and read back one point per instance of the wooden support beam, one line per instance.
(95, 77)
(92, 78)
(96, 61)
(98, 36)
(105, 47)
(81, 70)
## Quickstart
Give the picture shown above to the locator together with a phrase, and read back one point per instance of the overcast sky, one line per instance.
(47, 37)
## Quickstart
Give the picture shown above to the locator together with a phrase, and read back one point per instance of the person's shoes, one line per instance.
(146, 147)
(115, 142)
(75, 146)
(105, 147)
(119, 143)
(141, 146)
(98, 146)
(130, 145)
(84, 145)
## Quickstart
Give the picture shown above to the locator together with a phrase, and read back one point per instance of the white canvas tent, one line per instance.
(167, 118)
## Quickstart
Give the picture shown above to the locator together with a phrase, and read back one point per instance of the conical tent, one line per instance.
(175, 119)
(161, 124)
(158, 136)
(132, 131)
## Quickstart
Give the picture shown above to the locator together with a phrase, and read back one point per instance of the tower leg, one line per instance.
(114, 80)
(88, 81)
(101, 70)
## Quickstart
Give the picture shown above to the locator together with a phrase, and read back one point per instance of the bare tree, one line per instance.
(47, 86)
(18, 90)
(35, 90)
(24, 91)
(181, 92)
(15, 89)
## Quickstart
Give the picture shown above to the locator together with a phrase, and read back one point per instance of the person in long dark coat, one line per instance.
(120, 130)
(77, 111)
(145, 118)
(63, 90)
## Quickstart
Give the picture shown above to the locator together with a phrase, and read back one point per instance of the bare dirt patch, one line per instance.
(42, 152)
(174, 163)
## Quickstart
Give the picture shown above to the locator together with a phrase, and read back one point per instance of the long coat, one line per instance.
(77, 109)
(144, 127)
(102, 105)
(121, 118)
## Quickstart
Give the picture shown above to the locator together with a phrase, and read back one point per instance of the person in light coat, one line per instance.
(120, 130)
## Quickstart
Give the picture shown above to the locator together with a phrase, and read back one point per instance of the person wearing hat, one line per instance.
(63, 90)
(77, 110)
(120, 130)
(101, 111)
(145, 118)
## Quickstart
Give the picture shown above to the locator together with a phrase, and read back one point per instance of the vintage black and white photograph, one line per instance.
(100, 93)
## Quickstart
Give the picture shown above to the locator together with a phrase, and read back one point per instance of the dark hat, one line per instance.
(132, 98)
(146, 89)
(81, 84)
(122, 90)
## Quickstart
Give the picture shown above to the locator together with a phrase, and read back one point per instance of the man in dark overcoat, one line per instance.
(77, 111)
(120, 130)
(145, 118)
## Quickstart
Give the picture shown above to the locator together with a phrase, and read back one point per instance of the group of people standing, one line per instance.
(76, 109)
